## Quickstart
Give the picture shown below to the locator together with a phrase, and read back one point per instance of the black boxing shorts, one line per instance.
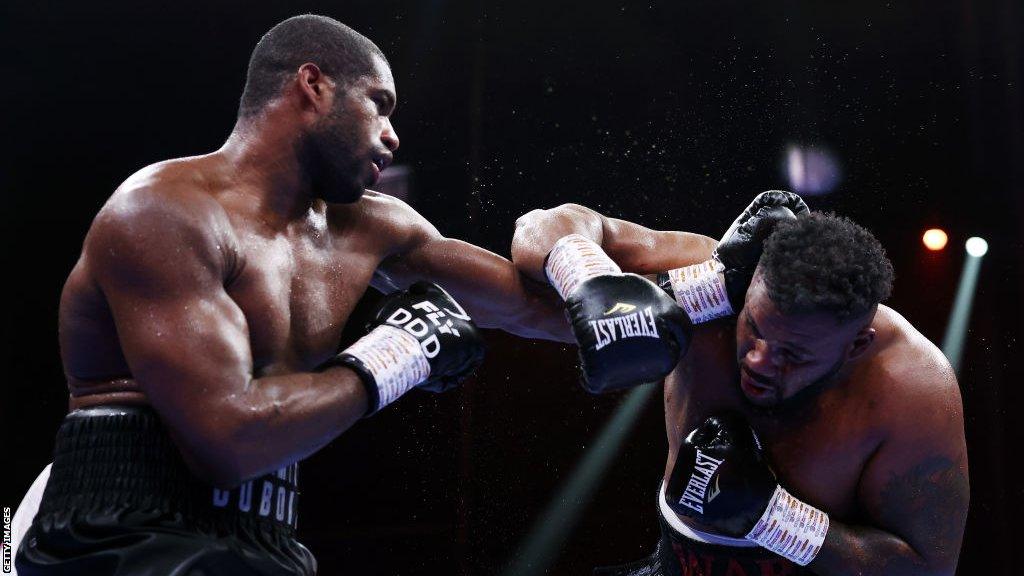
(120, 501)
(683, 551)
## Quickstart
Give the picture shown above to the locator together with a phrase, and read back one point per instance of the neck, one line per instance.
(263, 161)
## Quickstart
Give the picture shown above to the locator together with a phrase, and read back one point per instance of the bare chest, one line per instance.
(818, 454)
(297, 294)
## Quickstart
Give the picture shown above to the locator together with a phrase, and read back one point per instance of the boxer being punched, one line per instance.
(811, 429)
(200, 328)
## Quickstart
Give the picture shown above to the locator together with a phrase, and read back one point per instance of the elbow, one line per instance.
(216, 453)
(528, 227)
(542, 214)
(526, 220)
(521, 251)
(537, 231)
(528, 252)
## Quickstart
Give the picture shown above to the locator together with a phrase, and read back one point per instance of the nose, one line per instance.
(389, 136)
(760, 359)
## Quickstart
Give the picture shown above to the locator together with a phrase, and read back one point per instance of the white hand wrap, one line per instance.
(573, 260)
(394, 358)
(790, 528)
(700, 290)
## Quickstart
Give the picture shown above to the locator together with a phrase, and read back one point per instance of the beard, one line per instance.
(802, 401)
(329, 155)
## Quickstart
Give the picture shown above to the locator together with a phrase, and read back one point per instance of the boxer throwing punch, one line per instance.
(811, 429)
(200, 328)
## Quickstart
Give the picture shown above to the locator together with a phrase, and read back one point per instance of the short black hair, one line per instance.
(821, 262)
(339, 51)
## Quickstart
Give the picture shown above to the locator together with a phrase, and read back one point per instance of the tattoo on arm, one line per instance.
(928, 505)
(917, 530)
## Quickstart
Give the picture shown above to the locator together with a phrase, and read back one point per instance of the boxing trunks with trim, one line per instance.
(120, 501)
(683, 551)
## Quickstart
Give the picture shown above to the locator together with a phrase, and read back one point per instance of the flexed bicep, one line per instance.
(185, 340)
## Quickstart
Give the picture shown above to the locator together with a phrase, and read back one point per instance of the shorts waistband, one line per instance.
(122, 457)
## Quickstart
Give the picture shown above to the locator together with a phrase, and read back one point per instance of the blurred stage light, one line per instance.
(960, 316)
(977, 247)
(552, 529)
(811, 170)
(934, 239)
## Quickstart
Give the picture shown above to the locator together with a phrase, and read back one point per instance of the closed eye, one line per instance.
(752, 326)
(795, 358)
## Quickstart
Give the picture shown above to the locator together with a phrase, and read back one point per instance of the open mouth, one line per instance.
(754, 387)
(375, 171)
(379, 163)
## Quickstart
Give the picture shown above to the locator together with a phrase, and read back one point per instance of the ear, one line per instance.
(315, 88)
(861, 342)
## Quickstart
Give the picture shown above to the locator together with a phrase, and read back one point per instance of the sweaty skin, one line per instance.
(212, 287)
(881, 447)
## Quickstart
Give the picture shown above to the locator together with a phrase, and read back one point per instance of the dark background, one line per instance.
(672, 115)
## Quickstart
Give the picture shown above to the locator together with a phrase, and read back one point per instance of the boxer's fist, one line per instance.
(717, 287)
(419, 337)
(740, 247)
(721, 478)
(447, 335)
(628, 331)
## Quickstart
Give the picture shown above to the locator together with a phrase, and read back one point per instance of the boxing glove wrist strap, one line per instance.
(700, 290)
(573, 260)
(790, 528)
(390, 361)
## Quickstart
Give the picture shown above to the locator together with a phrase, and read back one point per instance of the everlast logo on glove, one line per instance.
(428, 340)
(704, 468)
(639, 324)
(620, 308)
(721, 477)
(628, 330)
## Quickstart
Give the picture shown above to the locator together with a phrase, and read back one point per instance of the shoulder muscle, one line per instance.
(154, 228)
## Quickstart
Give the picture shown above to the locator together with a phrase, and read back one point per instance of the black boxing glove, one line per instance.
(419, 337)
(741, 246)
(717, 287)
(628, 330)
(722, 479)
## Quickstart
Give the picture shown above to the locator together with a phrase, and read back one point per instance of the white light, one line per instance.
(977, 247)
(811, 169)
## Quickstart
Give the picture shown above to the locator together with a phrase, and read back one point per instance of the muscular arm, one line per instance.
(487, 285)
(162, 263)
(633, 247)
(915, 491)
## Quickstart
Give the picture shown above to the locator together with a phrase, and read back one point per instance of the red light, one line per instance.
(935, 239)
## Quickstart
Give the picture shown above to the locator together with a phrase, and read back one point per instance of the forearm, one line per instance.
(865, 551)
(487, 285)
(633, 247)
(542, 316)
(278, 420)
(524, 314)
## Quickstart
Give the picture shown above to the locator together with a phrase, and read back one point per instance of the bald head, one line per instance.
(339, 51)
